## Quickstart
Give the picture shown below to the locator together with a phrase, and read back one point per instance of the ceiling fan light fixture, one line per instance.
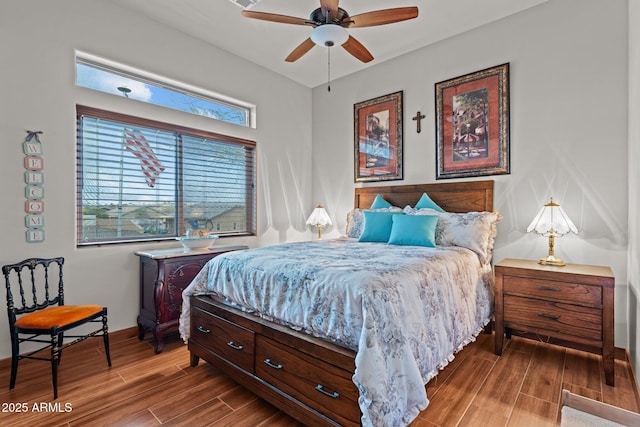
(328, 35)
(245, 4)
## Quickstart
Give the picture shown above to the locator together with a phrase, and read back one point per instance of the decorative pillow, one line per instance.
(377, 226)
(413, 230)
(426, 202)
(379, 202)
(355, 220)
(408, 210)
(473, 230)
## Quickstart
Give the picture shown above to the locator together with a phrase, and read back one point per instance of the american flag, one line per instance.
(149, 163)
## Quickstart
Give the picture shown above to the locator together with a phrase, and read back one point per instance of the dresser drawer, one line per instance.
(555, 319)
(322, 386)
(180, 274)
(226, 339)
(573, 293)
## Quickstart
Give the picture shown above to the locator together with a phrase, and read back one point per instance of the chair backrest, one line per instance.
(31, 282)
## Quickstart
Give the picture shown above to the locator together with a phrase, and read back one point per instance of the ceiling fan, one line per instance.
(330, 24)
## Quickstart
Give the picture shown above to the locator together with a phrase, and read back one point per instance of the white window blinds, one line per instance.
(143, 180)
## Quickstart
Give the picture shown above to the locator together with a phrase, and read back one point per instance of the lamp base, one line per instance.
(551, 260)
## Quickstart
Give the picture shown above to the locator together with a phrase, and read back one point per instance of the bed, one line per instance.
(367, 323)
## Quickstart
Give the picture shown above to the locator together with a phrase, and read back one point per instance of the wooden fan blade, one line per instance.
(357, 49)
(381, 17)
(303, 48)
(274, 17)
(331, 5)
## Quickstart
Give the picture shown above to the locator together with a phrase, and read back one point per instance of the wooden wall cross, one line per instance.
(418, 118)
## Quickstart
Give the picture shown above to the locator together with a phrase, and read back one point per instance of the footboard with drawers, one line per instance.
(306, 377)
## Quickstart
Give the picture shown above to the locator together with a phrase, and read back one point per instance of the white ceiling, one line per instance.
(220, 23)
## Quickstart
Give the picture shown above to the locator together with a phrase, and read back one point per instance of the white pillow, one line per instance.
(473, 230)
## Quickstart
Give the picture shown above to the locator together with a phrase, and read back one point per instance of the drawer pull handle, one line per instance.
(549, 316)
(271, 365)
(203, 330)
(234, 346)
(548, 288)
(333, 395)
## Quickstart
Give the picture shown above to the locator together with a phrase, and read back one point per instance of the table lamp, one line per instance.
(552, 222)
(319, 218)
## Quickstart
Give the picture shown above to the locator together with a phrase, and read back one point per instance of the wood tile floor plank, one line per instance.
(532, 411)
(544, 375)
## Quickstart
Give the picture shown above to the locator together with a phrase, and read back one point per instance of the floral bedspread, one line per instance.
(405, 310)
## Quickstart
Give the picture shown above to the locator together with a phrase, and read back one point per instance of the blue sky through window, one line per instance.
(109, 82)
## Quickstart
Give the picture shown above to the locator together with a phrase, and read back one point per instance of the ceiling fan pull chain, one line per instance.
(329, 69)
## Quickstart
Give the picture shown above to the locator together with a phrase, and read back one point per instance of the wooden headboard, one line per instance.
(472, 196)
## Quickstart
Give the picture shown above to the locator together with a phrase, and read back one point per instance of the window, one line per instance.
(139, 179)
(104, 76)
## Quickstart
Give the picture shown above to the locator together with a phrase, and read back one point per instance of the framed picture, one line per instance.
(472, 124)
(378, 138)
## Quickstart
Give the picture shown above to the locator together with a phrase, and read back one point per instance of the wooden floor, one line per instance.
(521, 388)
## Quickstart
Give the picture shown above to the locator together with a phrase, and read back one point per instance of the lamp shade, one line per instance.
(319, 217)
(552, 220)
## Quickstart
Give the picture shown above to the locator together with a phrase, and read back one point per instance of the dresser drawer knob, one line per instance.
(333, 395)
(271, 365)
(549, 316)
(234, 346)
(203, 330)
(548, 288)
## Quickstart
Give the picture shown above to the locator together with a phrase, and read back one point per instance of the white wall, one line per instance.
(634, 183)
(568, 92)
(37, 43)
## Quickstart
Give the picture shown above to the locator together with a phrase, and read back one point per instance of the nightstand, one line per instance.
(163, 276)
(570, 306)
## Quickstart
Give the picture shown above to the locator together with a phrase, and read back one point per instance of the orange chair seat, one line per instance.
(56, 316)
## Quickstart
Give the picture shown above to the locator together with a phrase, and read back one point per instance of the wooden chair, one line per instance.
(36, 313)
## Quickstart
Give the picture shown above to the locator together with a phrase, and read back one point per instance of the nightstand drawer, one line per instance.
(555, 318)
(574, 293)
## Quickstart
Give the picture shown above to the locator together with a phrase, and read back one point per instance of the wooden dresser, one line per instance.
(570, 305)
(163, 276)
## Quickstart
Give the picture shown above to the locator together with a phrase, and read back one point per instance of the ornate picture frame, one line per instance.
(472, 124)
(378, 138)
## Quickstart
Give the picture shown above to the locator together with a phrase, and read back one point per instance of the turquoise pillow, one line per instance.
(425, 202)
(413, 230)
(377, 226)
(380, 203)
